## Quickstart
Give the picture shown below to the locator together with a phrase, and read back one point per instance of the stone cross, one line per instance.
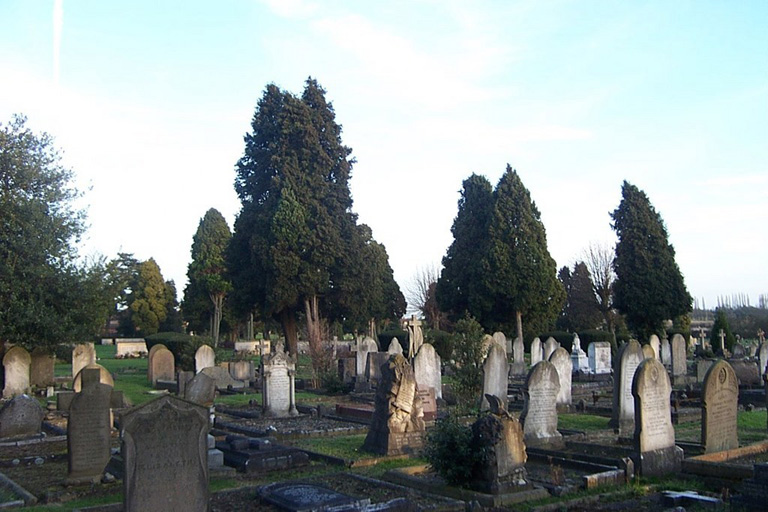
(722, 340)
(415, 336)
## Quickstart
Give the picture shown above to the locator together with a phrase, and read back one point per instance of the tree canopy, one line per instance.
(649, 287)
(581, 310)
(47, 294)
(149, 302)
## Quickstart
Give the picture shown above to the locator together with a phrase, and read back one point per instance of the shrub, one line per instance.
(450, 451)
(467, 362)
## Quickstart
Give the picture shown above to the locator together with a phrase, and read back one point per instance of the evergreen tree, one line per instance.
(649, 287)
(207, 271)
(519, 273)
(460, 286)
(581, 310)
(149, 299)
(721, 323)
(172, 322)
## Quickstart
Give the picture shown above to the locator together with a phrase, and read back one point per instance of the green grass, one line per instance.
(752, 427)
(584, 422)
(345, 447)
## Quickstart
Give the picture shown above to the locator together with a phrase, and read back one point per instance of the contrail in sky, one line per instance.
(58, 21)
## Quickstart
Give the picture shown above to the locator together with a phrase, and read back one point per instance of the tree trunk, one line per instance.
(288, 321)
(218, 303)
(519, 321)
(317, 350)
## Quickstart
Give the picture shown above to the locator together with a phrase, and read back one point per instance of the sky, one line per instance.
(149, 102)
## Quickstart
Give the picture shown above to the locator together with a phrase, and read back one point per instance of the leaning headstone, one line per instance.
(564, 365)
(678, 353)
(88, 434)
(539, 416)
(165, 452)
(666, 353)
(495, 375)
(518, 358)
(654, 439)
(762, 355)
(361, 356)
(163, 365)
(654, 342)
(648, 352)
(394, 347)
(627, 360)
(536, 351)
(278, 394)
(397, 426)
(201, 389)
(21, 416)
(503, 468)
(426, 368)
(16, 363)
(150, 357)
(549, 347)
(41, 371)
(205, 357)
(599, 357)
(83, 354)
(719, 408)
(104, 377)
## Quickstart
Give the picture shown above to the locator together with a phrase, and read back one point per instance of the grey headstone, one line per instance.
(666, 353)
(762, 355)
(536, 351)
(201, 389)
(549, 347)
(151, 357)
(738, 351)
(495, 375)
(648, 352)
(678, 353)
(104, 376)
(426, 368)
(373, 366)
(518, 351)
(22, 416)
(163, 365)
(361, 357)
(83, 354)
(88, 434)
(222, 377)
(539, 416)
(394, 347)
(501, 339)
(302, 497)
(17, 363)
(503, 467)
(654, 437)
(165, 451)
(41, 371)
(625, 365)
(205, 357)
(599, 353)
(242, 370)
(278, 392)
(564, 365)
(654, 342)
(719, 408)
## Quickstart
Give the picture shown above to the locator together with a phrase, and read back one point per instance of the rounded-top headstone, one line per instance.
(495, 375)
(536, 351)
(205, 357)
(539, 416)
(22, 416)
(17, 363)
(561, 360)
(625, 365)
(426, 368)
(150, 355)
(654, 342)
(104, 376)
(648, 352)
(395, 347)
(719, 408)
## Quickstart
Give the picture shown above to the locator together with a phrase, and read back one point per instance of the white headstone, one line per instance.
(395, 347)
(549, 347)
(562, 362)
(625, 365)
(426, 368)
(654, 342)
(205, 357)
(536, 351)
(599, 357)
(278, 390)
(763, 357)
(495, 375)
(361, 356)
(579, 359)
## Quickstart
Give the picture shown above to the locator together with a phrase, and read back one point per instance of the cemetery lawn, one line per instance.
(750, 424)
(582, 422)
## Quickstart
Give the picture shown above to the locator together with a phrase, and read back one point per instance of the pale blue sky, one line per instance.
(152, 100)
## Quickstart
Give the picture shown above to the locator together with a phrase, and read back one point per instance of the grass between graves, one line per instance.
(751, 427)
(583, 422)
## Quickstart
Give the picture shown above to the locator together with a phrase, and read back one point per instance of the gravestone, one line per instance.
(223, 378)
(666, 353)
(678, 354)
(16, 363)
(654, 342)
(738, 351)
(501, 339)
(394, 347)
(165, 451)
(278, 393)
(162, 364)
(564, 365)
(518, 358)
(130, 347)
(104, 377)
(648, 352)
(579, 359)
(415, 336)
(41, 371)
(373, 367)
(150, 358)
(205, 357)
(495, 375)
(361, 356)
(397, 426)
(347, 369)
(762, 355)
(536, 351)
(539, 416)
(599, 357)
(302, 497)
(654, 439)
(259, 456)
(426, 368)
(243, 371)
(21, 416)
(719, 408)
(83, 354)
(549, 347)
(625, 364)
(88, 434)
(503, 468)
(200, 389)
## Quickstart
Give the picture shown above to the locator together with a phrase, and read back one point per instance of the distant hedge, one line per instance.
(443, 343)
(183, 346)
(565, 339)
(385, 338)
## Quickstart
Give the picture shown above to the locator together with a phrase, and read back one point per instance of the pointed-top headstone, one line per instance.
(395, 347)
(563, 363)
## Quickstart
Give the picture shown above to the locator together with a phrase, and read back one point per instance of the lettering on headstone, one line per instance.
(539, 416)
(719, 408)
(88, 433)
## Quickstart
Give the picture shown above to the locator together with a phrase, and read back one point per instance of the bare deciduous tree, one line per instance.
(599, 260)
(421, 295)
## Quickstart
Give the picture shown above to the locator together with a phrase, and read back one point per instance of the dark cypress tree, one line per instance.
(649, 286)
(519, 272)
(460, 285)
(581, 310)
(721, 322)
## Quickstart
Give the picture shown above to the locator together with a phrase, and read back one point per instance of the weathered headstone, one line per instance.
(625, 364)
(599, 357)
(397, 426)
(165, 451)
(223, 378)
(163, 365)
(361, 356)
(201, 389)
(21, 416)
(150, 357)
(205, 357)
(415, 336)
(88, 434)
(666, 353)
(394, 347)
(130, 347)
(564, 365)
(579, 359)
(654, 435)
(277, 384)
(539, 416)
(244, 370)
(347, 369)
(536, 351)
(738, 351)
(654, 342)
(16, 363)
(41, 372)
(518, 358)
(104, 377)
(719, 408)
(762, 355)
(83, 354)
(648, 352)
(549, 347)
(501, 339)
(678, 354)
(306, 497)
(426, 368)
(373, 367)
(495, 375)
